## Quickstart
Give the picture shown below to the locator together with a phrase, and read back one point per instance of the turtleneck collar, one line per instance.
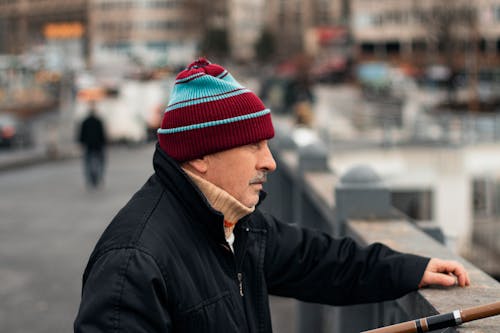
(220, 200)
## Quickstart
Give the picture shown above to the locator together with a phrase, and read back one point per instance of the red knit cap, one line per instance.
(209, 111)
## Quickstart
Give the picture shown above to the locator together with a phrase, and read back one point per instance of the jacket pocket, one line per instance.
(215, 314)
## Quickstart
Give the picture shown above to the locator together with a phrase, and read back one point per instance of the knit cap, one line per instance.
(209, 111)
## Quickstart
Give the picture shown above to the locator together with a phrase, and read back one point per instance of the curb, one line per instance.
(17, 160)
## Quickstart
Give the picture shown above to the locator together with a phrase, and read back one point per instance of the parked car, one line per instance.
(12, 132)
(8, 128)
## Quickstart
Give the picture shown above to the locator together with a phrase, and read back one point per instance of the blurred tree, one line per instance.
(215, 43)
(453, 30)
(265, 46)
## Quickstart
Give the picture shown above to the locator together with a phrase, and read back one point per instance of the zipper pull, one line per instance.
(240, 280)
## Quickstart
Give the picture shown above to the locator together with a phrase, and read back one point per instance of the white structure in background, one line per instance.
(245, 22)
(126, 116)
(448, 172)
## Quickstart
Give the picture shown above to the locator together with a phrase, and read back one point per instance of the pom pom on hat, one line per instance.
(209, 111)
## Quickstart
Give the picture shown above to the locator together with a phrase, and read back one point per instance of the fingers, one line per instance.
(456, 269)
(445, 280)
(461, 273)
(462, 276)
(445, 273)
(431, 278)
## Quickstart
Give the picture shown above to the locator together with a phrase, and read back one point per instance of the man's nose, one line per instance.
(267, 161)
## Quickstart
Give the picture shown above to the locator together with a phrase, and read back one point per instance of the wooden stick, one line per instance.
(450, 319)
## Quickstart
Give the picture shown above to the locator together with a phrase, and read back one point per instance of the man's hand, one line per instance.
(444, 273)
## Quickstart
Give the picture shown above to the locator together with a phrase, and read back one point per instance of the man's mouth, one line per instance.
(259, 179)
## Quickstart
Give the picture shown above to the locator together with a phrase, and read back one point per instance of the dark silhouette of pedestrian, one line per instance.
(299, 96)
(92, 137)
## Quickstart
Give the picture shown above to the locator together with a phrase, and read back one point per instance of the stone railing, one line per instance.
(357, 204)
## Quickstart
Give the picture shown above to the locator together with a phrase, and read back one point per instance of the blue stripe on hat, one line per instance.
(213, 123)
(213, 95)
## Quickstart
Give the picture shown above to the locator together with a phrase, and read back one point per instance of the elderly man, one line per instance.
(191, 252)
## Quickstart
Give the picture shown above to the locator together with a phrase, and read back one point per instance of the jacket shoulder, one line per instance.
(127, 227)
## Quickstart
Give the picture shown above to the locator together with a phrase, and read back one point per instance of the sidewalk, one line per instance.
(12, 159)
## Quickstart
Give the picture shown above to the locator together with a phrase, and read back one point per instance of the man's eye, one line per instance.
(257, 145)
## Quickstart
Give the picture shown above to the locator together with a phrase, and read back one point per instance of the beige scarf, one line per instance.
(232, 209)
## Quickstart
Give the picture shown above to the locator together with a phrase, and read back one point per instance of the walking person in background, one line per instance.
(192, 252)
(92, 137)
(299, 97)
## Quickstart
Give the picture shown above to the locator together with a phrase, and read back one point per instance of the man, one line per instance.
(92, 137)
(190, 252)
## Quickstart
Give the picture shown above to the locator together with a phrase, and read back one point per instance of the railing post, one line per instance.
(280, 184)
(311, 157)
(360, 194)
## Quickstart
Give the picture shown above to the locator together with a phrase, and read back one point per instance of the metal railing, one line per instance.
(386, 123)
(357, 204)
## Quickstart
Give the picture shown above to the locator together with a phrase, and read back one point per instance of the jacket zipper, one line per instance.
(238, 275)
(240, 280)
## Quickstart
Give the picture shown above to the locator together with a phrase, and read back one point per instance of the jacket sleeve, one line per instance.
(123, 291)
(314, 267)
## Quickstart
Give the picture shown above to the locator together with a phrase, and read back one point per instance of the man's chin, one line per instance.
(252, 203)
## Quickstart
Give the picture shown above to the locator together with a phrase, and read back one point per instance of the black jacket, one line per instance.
(163, 265)
(92, 133)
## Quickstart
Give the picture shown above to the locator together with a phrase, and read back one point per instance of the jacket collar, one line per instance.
(222, 201)
(181, 186)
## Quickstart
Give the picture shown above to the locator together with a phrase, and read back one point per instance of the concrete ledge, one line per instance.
(403, 236)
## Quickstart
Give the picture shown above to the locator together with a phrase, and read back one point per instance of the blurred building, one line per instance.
(291, 22)
(104, 32)
(427, 31)
(144, 32)
(52, 28)
(245, 24)
(155, 32)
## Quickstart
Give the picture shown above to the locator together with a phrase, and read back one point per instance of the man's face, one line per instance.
(241, 171)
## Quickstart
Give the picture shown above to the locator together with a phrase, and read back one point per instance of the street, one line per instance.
(49, 225)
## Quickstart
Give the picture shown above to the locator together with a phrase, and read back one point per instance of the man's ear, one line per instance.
(199, 165)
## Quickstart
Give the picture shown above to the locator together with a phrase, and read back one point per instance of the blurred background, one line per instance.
(59, 55)
(411, 88)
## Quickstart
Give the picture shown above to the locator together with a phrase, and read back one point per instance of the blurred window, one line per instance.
(393, 47)
(163, 4)
(281, 13)
(118, 46)
(368, 48)
(160, 46)
(164, 25)
(419, 45)
(420, 16)
(482, 45)
(112, 5)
